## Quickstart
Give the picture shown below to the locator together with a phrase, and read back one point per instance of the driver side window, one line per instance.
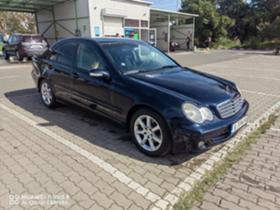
(88, 58)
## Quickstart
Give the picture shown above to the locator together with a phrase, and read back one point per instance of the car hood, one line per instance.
(203, 88)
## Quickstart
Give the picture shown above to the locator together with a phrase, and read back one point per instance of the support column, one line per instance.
(168, 34)
(76, 17)
(54, 24)
(36, 20)
(193, 33)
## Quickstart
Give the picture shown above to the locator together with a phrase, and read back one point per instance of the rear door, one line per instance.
(61, 64)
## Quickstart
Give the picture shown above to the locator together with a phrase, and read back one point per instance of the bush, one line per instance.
(258, 44)
(226, 43)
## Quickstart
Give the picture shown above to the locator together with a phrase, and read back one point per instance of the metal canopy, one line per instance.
(27, 5)
(166, 13)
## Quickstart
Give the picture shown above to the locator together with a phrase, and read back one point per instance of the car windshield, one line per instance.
(32, 39)
(137, 57)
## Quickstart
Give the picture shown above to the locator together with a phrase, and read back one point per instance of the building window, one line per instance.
(131, 23)
(144, 23)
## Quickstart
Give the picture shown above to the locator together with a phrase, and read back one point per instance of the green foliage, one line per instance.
(209, 23)
(257, 43)
(226, 43)
(11, 22)
(252, 22)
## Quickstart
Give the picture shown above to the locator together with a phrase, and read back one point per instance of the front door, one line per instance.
(93, 92)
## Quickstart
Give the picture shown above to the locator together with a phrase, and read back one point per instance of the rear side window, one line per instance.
(32, 39)
(65, 53)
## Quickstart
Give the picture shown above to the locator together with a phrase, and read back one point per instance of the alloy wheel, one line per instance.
(46, 93)
(148, 133)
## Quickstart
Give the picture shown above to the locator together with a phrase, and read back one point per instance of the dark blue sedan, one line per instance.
(165, 106)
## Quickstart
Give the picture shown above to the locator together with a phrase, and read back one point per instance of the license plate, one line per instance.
(36, 46)
(239, 124)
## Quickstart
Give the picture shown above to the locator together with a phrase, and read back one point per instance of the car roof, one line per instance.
(100, 41)
(19, 34)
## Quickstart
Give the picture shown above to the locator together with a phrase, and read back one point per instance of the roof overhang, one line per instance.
(163, 12)
(27, 5)
(142, 2)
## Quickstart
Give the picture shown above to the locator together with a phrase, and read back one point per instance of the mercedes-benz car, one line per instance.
(166, 107)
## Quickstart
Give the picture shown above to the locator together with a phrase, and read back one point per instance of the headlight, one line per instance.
(196, 114)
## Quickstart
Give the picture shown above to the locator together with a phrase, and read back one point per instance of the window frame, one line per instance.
(57, 52)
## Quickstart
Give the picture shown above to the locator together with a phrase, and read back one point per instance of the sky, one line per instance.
(166, 4)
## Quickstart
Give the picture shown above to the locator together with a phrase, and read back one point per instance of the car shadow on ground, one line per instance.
(91, 127)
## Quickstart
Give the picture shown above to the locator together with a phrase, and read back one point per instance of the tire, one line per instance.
(154, 138)
(47, 95)
(5, 55)
(19, 56)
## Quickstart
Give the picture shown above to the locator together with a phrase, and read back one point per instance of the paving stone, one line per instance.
(33, 161)
(248, 185)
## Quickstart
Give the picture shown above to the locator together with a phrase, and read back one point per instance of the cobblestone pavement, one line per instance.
(253, 183)
(90, 161)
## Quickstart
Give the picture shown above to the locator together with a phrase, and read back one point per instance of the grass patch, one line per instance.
(211, 178)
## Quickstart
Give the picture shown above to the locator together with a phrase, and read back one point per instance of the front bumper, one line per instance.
(210, 134)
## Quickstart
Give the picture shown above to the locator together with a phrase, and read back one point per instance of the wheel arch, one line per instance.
(39, 83)
(139, 107)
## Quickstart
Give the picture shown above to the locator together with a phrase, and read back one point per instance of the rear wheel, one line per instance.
(150, 133)
(47, 94)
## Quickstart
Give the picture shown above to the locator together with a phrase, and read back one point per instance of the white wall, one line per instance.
(65, 15)
(127, 8)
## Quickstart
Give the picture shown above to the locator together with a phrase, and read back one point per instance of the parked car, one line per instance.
(24, 45)
(165, 106)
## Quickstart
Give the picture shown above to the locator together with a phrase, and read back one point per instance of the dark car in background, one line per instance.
(24, 46)
(165, 106)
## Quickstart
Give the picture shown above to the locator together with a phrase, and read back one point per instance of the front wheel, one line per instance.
(150, 133)
(47, 94)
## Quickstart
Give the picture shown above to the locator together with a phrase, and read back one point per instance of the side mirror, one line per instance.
(99, 73)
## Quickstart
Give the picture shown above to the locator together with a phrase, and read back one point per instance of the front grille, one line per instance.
(230, 107)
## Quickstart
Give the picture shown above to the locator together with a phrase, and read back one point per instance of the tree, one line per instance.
(17, 22)
(210, 22)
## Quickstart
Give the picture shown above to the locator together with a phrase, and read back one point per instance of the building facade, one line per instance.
(110, 18)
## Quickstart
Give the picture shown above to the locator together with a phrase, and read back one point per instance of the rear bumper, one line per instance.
(210, 134)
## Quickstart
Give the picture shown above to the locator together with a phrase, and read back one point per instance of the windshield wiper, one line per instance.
(134, 72)
(167, 67)
(148, 70)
